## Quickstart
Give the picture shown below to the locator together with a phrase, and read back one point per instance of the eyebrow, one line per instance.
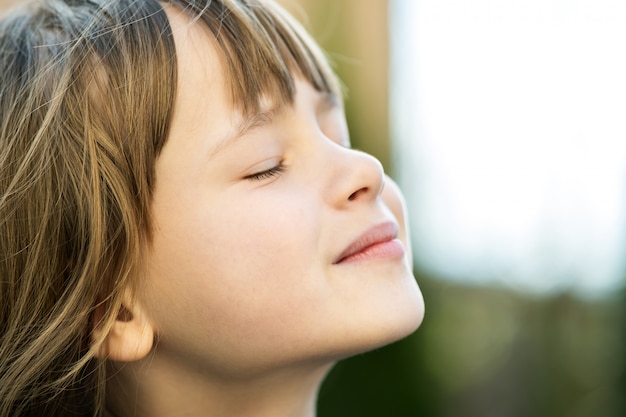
(328, 101)
(245, 126)
(256, 121)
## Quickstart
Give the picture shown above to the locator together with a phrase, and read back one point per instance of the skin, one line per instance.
(241, 287)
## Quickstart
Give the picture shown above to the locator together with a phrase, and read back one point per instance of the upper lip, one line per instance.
(382, 232)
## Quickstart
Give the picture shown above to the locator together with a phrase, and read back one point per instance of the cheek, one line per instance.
(239, 267)
(264, 236)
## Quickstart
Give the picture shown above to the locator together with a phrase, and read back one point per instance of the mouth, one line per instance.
(378, 242)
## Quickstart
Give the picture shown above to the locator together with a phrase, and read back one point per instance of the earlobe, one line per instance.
(130, 338)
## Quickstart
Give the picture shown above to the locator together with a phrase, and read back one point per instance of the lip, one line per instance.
(378, 242)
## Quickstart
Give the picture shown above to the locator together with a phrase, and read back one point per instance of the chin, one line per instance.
(404, 319)
(385, 322)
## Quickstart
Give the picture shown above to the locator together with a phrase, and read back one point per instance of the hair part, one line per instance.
(86, 96)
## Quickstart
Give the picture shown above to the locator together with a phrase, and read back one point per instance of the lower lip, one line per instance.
(390, 249)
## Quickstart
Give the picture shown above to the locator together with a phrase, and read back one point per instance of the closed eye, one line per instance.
(267, 174)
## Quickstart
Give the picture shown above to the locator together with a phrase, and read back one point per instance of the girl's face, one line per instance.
(253, 222)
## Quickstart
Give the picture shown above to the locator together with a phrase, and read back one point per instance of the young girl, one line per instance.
(184, 229)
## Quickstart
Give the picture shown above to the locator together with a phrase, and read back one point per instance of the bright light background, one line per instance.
(509, 125)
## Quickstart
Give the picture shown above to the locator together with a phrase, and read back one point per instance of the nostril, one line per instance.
(355, 194)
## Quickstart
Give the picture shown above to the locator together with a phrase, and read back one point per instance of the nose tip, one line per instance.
(364, 177)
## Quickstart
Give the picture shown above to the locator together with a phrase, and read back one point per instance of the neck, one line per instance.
(152, 391)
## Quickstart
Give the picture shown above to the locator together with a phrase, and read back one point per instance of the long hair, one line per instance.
(87, 90)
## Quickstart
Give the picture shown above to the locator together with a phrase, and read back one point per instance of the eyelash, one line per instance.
(267, 174)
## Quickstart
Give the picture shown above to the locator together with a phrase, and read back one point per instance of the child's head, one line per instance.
(177, 191)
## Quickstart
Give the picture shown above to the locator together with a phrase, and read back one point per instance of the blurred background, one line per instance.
(504, 122)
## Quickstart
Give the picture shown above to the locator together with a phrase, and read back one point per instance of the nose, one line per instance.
(355, 177)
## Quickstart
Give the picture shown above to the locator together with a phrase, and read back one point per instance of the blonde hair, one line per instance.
(86, 95)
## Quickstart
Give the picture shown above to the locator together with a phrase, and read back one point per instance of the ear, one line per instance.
(130, 338)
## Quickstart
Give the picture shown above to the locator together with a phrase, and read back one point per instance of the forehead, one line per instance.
(204, 78)
(261, 48)
(202, 102)
(199, 62)
(205, 117)
(236, 60)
